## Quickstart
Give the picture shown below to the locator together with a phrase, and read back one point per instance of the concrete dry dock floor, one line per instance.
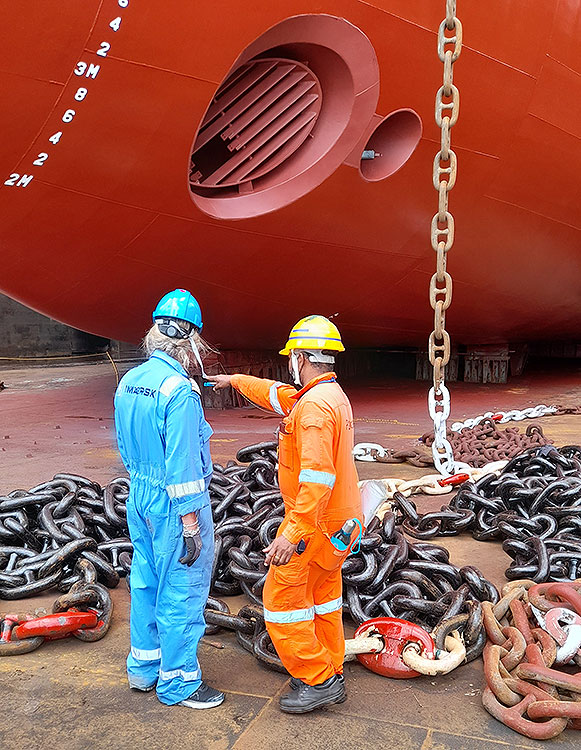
(74, 695)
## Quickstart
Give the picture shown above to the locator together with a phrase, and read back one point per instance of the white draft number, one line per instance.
(89, 70)
(17, 180)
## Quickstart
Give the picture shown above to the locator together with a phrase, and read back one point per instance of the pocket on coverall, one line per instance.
(292, 573)
(285, 446)
(325, 554)
(181, 576)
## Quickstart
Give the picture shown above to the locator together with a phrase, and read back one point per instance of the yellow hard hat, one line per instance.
(314, 332)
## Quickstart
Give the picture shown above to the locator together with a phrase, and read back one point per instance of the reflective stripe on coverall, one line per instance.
(318, 483)
(164, 439)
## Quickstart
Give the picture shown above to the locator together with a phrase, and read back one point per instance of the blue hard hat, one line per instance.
(180, 305)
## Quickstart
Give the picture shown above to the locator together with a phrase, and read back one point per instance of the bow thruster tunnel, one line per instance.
(288, 113)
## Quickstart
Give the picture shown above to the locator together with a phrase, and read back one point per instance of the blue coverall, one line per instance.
(164, 441)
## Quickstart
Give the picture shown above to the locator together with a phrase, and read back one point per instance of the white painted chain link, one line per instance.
(363, 644)
(442, 452)
(373, 451)
(449, 658)
(369, 452)
(502, 417)
(429, 484)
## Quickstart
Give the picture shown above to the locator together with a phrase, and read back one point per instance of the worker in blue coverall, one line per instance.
(164, 441)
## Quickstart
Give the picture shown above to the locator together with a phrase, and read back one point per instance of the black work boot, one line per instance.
(295, 682)
(306, 698)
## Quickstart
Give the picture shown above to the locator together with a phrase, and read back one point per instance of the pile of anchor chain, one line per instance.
(249, 627)
(476, 445)
(69, 534)
(388, 576)
(533, 505)
(532, 630)
(44, 531)
(247, 508)
(391, 577)
(52, 532)
(484, 442)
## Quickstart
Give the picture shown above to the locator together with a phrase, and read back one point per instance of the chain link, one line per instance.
(369, 452)
(444, 172)
(502, 417)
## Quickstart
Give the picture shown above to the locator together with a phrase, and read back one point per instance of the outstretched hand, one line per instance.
(220, 381)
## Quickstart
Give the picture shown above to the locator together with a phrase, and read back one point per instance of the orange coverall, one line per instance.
(318, 482)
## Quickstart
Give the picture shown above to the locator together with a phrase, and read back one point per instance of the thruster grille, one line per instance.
(258, 118)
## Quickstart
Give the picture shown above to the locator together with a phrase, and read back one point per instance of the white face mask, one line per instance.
(295, 369)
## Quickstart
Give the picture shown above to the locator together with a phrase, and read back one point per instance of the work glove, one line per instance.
(193, 542)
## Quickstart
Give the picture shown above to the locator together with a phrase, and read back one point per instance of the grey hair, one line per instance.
(179, 349)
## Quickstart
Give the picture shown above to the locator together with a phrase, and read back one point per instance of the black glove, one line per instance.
(193, 542)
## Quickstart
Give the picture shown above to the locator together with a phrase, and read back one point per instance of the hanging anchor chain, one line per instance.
(442, 237)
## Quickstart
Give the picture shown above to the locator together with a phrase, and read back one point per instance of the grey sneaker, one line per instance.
(143, 689)
(204, 697)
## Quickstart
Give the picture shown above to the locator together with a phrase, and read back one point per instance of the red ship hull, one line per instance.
(108, 222)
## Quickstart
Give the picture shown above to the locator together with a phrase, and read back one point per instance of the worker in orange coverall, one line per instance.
(318, 481)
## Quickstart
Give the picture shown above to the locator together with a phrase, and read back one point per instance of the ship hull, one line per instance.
(108, 222)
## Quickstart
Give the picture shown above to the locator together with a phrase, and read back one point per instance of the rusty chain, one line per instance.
(485, 442)
(533, 631)
(442, 238)
(474, 446)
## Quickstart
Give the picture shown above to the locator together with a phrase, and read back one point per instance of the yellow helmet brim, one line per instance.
(317, 344)
(314, 332)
